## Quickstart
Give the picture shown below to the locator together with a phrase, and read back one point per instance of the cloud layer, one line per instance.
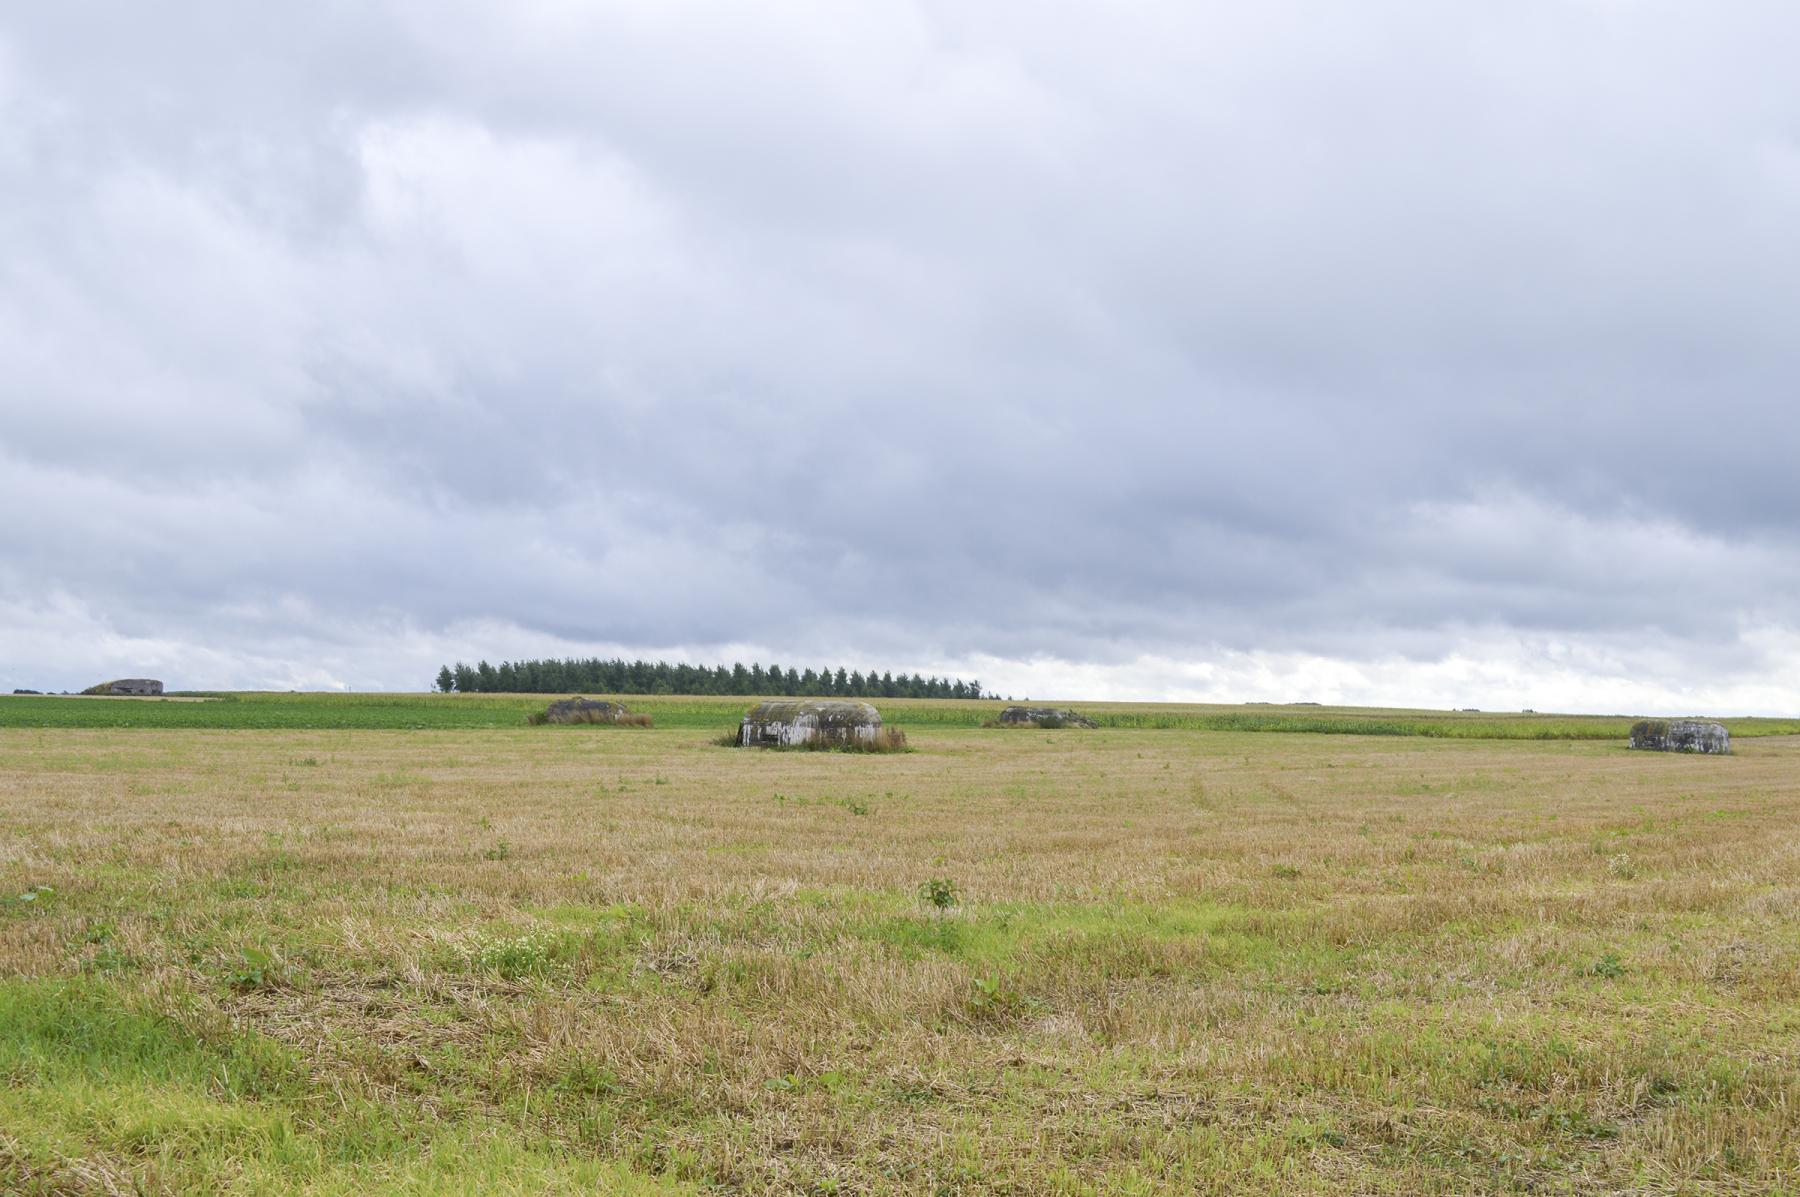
(1406, 353)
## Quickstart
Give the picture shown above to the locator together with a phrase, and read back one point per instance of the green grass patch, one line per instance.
(322, 711)
(105, 1092)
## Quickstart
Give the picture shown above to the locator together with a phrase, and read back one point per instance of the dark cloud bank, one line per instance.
(1430, 353)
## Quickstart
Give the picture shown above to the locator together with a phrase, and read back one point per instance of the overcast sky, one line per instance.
(1422, 353)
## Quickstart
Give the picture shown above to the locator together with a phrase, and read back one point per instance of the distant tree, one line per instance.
(616, 676)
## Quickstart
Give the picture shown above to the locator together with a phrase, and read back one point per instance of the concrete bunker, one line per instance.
(141, 687)
(1045, 717)
(815, 724)
(1681, 735)
(587, 710)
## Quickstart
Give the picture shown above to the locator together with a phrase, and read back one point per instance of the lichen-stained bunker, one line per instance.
(1045, 717)
(802, 724)
(1681, 735)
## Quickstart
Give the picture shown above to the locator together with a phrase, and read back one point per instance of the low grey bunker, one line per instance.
(1045, 717)
(818, 723)
(1681, 735)
(136, 687)
(586, 710)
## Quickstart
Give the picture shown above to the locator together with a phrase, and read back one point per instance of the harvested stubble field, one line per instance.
(617, 960)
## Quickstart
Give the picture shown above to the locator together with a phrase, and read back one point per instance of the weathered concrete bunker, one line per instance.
(142, 687)
(586, 710)
(1048, 717)
(1681, 735)
(810, 724)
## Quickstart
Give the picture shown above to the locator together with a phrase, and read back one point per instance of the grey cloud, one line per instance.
(933, 333)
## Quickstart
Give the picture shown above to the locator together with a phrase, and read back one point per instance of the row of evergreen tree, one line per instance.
(660, 677)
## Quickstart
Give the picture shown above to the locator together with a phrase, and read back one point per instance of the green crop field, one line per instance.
(394, 712)
(388, 944)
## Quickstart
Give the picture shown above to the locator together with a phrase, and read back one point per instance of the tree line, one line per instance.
(551, 676)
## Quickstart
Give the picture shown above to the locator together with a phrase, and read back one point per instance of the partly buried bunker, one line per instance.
(1681, 735)
(1040, 717)
(587, 710)
(141, 687)
(854, 726)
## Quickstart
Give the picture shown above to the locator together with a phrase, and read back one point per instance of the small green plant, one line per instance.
(30, 896)
(256, 969)
(1607, 966)
(855, 807)
(109, 959)
(1286, 872)
(500, 851)
(534, 954)
(1622, 866)
(995, 997)
(939, 893)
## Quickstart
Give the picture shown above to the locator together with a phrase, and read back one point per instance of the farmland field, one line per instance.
(396, 712)
(389, 944)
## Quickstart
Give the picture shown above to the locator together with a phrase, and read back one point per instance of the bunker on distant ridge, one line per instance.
(587, 710)
(819, 723)
(139, 686)
(1048, 717)
(1681, 735)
